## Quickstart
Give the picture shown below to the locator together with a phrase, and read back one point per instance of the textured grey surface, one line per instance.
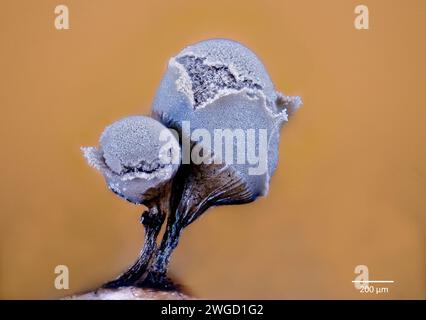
(133, 159)
(221, 84)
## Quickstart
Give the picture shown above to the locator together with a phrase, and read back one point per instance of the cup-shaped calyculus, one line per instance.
(138, 156)
(219, 90)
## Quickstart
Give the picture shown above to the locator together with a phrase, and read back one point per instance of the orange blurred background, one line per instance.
(349, 188)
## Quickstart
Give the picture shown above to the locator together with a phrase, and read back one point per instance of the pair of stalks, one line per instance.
(150, 268)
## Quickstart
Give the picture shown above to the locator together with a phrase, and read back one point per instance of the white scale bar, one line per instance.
(373, 281)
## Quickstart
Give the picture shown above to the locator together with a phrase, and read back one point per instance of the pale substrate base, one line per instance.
(129, 293)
